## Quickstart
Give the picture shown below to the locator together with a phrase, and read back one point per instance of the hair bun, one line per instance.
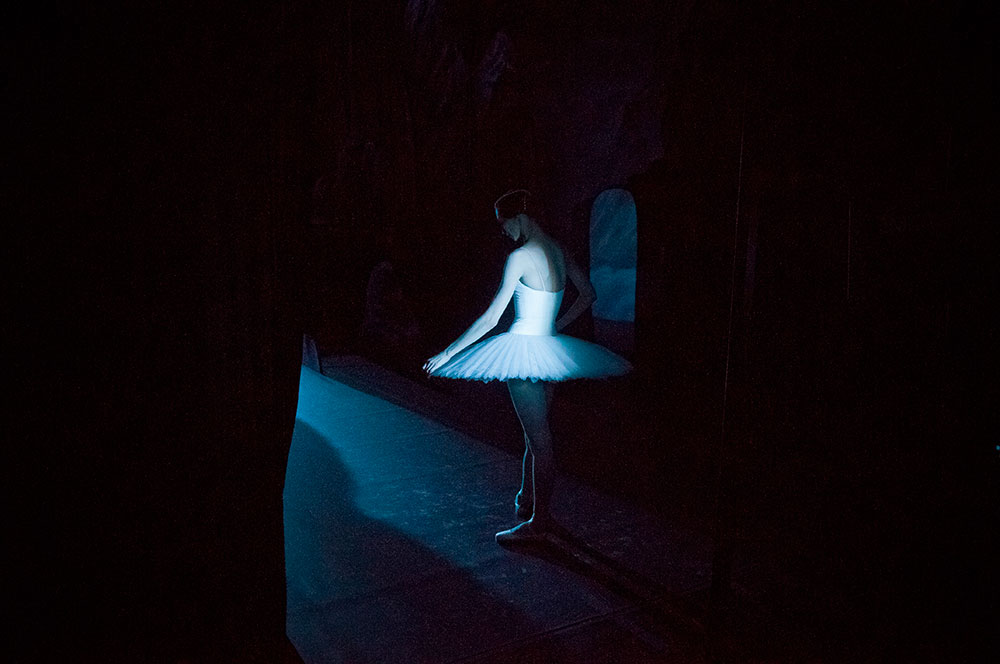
(511, 204)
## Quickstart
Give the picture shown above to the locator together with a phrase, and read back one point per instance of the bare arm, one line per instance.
(512, 272)
(586, 294)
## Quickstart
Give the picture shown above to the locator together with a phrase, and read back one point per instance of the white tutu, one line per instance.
(531, 350)
(533, 357)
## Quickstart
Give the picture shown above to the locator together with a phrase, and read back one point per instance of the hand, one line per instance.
(437, 361)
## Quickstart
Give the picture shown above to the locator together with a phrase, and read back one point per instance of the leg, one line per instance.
(532, 409)
(524, 501)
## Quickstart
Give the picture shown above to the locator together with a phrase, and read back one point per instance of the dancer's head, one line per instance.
(511, 211)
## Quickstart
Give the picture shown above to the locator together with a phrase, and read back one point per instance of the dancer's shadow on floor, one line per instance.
(561, 547)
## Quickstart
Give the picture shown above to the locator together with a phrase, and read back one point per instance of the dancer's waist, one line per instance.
(533, 326)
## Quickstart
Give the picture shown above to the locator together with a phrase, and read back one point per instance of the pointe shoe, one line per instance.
(523, 510)
(527, 532)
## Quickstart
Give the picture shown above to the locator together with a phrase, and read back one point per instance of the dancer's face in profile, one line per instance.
(512, 228)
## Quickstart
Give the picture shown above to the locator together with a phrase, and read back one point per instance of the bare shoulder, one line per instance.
(517, 256)
(517, 253)
(516, 262)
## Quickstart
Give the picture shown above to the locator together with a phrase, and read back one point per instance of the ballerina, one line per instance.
(532, 354)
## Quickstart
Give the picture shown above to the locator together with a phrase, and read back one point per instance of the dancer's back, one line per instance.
(549, 263)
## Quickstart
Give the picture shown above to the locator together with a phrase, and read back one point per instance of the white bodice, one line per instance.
(535, 310)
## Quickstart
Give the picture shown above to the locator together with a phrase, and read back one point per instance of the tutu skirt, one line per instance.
(546, 357)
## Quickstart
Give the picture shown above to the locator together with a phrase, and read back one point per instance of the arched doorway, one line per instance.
(613, 243)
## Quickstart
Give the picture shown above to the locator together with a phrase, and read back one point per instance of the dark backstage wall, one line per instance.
(191, 189)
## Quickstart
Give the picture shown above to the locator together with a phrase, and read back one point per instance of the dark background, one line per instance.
(188, 190)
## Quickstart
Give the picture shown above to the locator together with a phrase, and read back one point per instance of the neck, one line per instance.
(530, 230)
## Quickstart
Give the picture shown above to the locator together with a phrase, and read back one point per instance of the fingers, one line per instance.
(435, 362)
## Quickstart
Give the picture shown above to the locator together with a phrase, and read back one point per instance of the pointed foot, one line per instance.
(528, 532)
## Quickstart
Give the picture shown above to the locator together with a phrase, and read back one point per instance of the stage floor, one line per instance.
(390, 513)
